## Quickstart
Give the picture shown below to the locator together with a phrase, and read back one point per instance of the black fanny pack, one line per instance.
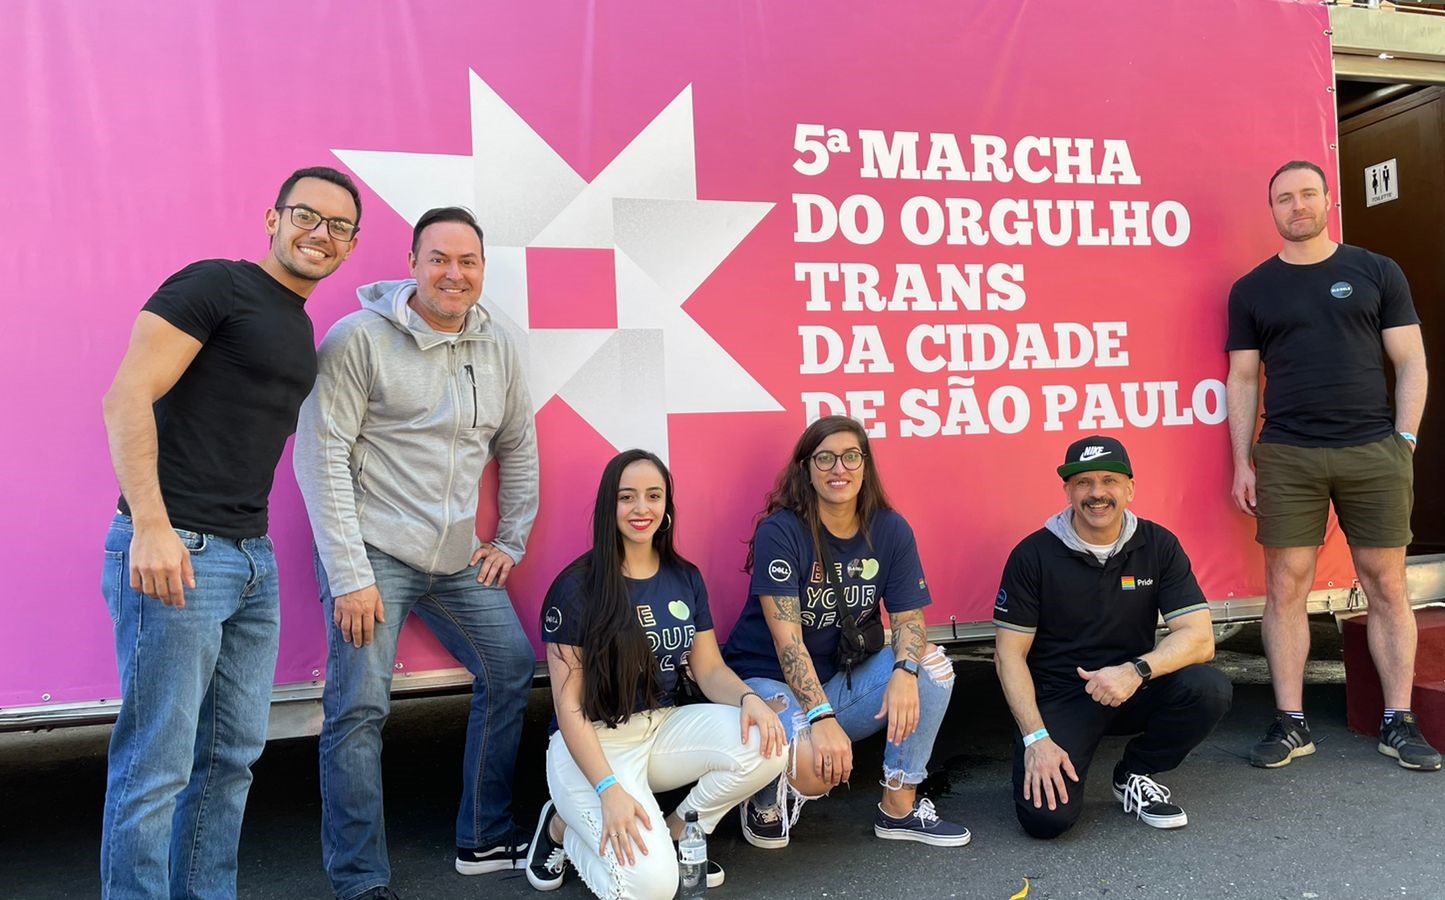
(859, 637)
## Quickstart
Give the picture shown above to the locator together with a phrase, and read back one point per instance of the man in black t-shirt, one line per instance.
(1074, 624)
(219, 361)
(1322, 318)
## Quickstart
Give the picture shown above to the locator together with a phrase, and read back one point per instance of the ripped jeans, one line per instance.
(903, 764)
(657, 750)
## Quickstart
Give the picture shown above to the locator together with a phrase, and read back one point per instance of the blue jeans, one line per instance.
(905, 763)
(478, 626)
(195, 689)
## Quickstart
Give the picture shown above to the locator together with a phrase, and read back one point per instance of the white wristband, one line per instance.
(1031, 739)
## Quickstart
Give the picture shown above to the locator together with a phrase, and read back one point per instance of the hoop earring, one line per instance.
(666, 522)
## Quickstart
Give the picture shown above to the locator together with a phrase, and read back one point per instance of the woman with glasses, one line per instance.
(620, 624)
(828, 554)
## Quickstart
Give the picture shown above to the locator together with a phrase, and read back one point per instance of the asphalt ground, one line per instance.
(1344, 823)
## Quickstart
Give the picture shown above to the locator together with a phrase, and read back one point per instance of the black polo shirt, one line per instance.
(1089, 614)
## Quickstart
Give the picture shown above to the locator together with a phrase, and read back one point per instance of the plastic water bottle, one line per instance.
(692, 858)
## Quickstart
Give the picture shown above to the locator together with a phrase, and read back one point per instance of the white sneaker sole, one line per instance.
(1395, 755)
(715, 879)
(1306, 750)
(921, 837)
(489, 866)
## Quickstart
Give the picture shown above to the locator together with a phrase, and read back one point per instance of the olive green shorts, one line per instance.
(1372, 487)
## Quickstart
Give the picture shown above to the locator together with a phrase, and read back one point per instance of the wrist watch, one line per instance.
(908, 666)
(1140, 666)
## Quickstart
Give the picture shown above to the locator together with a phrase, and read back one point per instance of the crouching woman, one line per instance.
(620, 624)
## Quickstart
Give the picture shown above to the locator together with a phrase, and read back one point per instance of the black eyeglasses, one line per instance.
(823, 460)
(306, 218)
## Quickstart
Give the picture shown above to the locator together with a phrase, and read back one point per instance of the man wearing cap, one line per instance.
(1322, 319)
(1074, 626)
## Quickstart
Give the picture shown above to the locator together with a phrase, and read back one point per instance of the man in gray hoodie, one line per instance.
(415, 394)
(1074, 620)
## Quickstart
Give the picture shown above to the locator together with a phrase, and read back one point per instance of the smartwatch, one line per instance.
(908, 666)
(1142, 668)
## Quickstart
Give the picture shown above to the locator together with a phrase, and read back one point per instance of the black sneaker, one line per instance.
(715, 874)
(383, 892)
(503, 857)
(764, 827)
(1149, 800)
(546, 861)
(1284, 740)
(1401, 739)
(922, 825)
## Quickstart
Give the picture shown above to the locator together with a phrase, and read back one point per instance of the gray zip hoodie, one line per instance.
(391, 444)
(1061, 526)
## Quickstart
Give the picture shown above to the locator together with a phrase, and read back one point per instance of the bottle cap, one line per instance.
(691, 816)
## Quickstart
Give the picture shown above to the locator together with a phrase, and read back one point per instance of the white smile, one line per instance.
(640, 524)
(312, 252)
(838, 484)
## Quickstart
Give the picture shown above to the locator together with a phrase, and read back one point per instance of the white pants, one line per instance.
(658, 750)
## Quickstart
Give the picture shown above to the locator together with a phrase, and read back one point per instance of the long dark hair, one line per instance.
(794, 488)
(618, 667)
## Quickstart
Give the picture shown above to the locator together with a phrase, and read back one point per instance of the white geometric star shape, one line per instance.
(625, 381)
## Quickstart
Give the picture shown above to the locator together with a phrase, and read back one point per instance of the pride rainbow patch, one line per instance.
(1127, 582)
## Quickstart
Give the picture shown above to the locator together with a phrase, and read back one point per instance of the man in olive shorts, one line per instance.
(1322, 317)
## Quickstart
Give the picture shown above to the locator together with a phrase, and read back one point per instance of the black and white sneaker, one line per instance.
(715, 875)
(504, 857)
(1285, 740)
(1149, 800)
(1401, 738)
(764, 827)
(546, 861)
(922, 824)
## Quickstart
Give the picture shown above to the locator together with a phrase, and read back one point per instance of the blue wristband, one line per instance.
(820, 709)
(606, 783)
(1408, 436)
(1031, 739)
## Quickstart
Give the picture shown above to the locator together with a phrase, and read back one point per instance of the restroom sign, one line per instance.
(1382, 183)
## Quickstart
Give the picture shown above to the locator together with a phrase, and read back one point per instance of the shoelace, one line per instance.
(925, 812)
(1403, 730)
(1141, 791)
(555, 861)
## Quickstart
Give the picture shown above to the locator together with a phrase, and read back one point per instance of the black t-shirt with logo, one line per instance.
(881, 566)
(1089, 614)
(1317, 329)
(222, 427)
(671, 609)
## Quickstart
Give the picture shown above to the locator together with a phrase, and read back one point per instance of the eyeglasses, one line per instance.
(823, 460)
(306, 218)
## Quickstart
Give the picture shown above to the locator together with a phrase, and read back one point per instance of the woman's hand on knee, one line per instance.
(832, 752)
(621, 815)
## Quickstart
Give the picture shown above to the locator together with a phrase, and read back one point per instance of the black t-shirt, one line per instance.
(1089, 614)
(881, 566)
(1317, 329)
(671, 609)
(222, 427)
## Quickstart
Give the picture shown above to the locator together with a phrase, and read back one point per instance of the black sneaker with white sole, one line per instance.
(546, 860)
(1285, 740)
(715, 875)
(504, 857)
(922, 824)
(1149, 800)
(764, 826)
(1401, 738)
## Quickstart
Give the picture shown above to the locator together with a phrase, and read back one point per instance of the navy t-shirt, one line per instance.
(879, 567)
(221, 429)
(671, 608)
(1317, 329)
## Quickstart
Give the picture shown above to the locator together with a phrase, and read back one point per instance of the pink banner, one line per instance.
(988, 228)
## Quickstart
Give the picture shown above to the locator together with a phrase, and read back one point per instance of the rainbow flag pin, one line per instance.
(1127, 582)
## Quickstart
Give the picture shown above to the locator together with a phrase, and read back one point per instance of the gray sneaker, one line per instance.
(1284, 740)
(1401, 738)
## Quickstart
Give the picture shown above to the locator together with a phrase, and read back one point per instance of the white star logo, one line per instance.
(643, 206)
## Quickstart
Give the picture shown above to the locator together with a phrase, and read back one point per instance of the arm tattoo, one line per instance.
(788, 610)
(798, 673)
(909, 635)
